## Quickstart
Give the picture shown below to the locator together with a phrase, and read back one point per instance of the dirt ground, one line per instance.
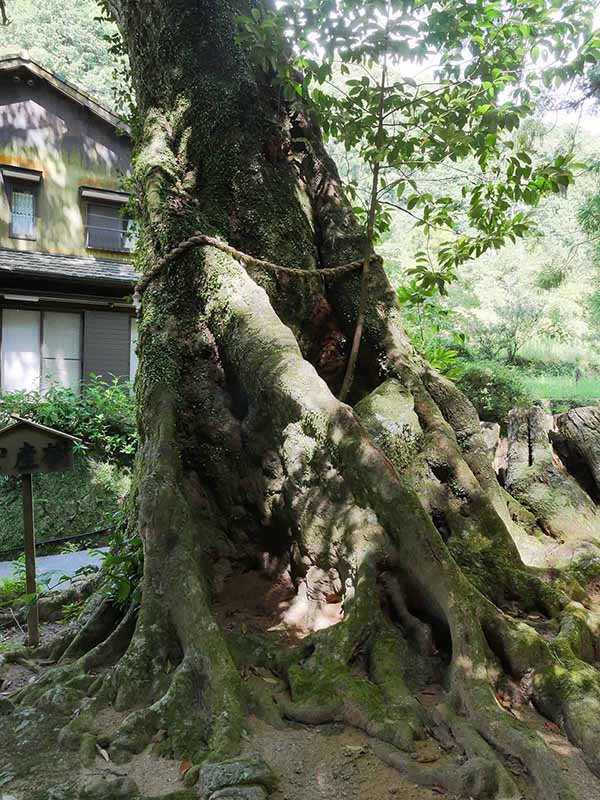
(330, 761)
(318, 762)
(322, 762)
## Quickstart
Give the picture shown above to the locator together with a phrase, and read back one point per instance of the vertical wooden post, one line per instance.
(33, 626)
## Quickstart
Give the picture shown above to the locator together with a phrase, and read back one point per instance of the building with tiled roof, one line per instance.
(66, 276)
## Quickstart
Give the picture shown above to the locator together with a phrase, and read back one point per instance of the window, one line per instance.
(108, 228)
(61, 349)
(20, 350)
(22, 193)
(40, 348)
(22, 212)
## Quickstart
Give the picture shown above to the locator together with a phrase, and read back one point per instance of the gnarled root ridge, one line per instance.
(391, 513)
(550, 471)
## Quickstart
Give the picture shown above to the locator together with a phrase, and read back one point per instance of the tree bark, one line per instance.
(390, 505)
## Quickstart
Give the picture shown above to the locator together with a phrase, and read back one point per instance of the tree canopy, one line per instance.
(68, 37)
(481, 69)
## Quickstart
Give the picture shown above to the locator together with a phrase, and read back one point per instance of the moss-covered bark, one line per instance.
(391, 507)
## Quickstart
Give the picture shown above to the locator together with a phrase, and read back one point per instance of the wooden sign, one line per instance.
(27, 448)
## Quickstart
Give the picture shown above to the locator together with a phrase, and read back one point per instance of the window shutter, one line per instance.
(106, 344)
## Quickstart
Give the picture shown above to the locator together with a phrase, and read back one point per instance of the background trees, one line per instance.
(68, 38)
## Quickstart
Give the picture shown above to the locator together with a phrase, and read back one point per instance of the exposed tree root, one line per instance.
(476, 777)
(354, 674)
(536, 477)
(362, 528)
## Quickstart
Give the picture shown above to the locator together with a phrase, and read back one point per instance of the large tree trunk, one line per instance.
(390, 506)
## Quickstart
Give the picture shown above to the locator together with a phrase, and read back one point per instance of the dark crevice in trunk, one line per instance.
(239, 403)
(576, 467)
(496, 644)
(437, 622)
(439, 520)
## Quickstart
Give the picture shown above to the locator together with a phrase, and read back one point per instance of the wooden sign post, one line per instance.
(27, 448)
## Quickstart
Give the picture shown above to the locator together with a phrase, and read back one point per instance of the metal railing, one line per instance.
(14, 552)
(120, 240)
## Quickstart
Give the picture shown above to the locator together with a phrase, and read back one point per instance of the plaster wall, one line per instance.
(43, 130)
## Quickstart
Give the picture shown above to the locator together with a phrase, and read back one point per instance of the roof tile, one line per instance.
(85, 268)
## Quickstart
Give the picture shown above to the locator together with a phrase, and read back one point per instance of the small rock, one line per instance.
(71, 734)
(235, 772)
(241, 793)
(124, 746)
(109, 788)
(87, 749)
(191, 776)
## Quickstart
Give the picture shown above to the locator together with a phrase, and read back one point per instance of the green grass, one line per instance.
(549, 351)
(561, 387)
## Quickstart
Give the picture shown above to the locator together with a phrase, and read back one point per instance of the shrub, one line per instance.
(538, 366)
(87, 498)
(90, 496)
(14, 585)
(493, 389)
(101, 413)
(562, 405)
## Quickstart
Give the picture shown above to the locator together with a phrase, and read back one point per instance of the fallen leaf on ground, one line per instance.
(552, 726)
(103, 753)
(185, 765)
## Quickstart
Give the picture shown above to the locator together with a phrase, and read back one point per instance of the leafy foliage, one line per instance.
(102, 414)
(67, 37)
(495, 61)
(89, 497)
(122, 567)
(13, 585)
(86, 499)
(589, 217)
(493, 389)
(517, 322)
(431, 329)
